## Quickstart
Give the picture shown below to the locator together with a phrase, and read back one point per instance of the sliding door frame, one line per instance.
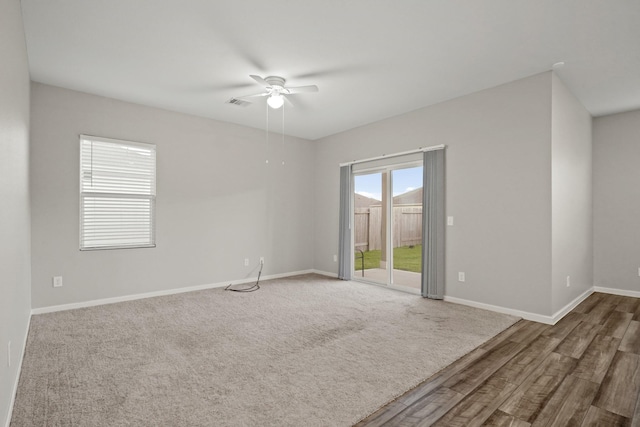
(388, 169)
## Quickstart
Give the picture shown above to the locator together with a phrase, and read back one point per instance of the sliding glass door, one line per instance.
(406, 227)
(387, 212)
(369, 233)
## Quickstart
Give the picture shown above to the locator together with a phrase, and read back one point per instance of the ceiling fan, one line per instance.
(275, 90)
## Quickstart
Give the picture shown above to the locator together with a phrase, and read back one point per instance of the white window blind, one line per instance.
(117, 193)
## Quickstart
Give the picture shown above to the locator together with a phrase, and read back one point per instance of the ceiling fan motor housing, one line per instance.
(275, 81)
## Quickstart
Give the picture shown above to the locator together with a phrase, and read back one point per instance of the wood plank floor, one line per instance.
(583, 371)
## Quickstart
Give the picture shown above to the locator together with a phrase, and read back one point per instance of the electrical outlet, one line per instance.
(335, 258)
(568, 281)
(57, 282)
(261, 260)
(461, 277)
(9, 353)
(246, 262)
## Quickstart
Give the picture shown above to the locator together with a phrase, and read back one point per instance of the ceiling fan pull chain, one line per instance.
(266, 150)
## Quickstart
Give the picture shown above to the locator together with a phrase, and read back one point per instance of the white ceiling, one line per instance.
(371, 59)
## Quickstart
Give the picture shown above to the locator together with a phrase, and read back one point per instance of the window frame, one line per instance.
(150, 197)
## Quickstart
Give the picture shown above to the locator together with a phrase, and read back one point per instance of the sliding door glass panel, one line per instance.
(406, 227)
(370, 203)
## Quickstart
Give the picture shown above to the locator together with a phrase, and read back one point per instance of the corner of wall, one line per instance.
(572, 198)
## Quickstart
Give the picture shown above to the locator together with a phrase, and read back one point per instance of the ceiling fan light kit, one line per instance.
(275, 101)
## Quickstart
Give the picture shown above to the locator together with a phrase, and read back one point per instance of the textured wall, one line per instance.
(616, 194)
(572, 227)
(218, 202)
(15, 285)
(498, 172)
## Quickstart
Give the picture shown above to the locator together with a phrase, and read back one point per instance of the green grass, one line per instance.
(404, 258)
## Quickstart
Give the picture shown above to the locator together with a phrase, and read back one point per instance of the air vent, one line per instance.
(239, 102)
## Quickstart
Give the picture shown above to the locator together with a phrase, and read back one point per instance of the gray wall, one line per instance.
(616, 193)
(572, 225)
(498, 188)
(15, 291)
(218, 202)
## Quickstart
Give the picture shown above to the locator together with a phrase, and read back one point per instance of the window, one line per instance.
(117, 194)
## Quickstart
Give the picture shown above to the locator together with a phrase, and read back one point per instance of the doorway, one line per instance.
(387, 232)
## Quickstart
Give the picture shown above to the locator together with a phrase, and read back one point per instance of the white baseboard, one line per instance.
(498, 309)
(623, 292)
(549, 320)
(103, 301)
(573, 304)
(19, 371)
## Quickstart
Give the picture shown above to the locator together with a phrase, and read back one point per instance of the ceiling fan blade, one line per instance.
(301, 89)
(289, 103)
(253, 95)
(260, 80)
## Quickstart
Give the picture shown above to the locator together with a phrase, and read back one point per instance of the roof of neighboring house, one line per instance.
(413, 197)
(360, 201)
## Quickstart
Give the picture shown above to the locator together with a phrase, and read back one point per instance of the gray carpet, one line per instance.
(306, 350)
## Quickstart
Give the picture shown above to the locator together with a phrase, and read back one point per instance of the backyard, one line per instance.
(406, 258)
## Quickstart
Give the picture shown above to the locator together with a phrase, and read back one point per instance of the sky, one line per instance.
(403, 180)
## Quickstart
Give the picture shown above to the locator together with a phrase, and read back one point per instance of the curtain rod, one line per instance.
(386, 156)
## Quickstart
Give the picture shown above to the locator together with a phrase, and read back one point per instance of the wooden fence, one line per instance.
(407, 226)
